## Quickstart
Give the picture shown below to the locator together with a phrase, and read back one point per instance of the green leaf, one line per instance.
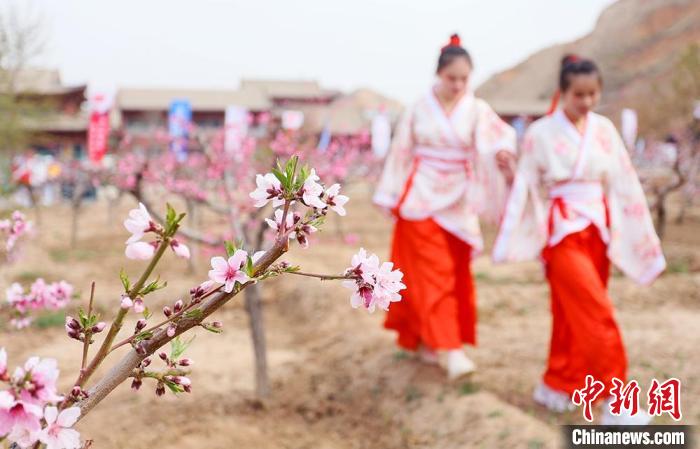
(211, 328)
(147, 313)
(292, 269)
(125, 280)
(318, 222)
(249, 269)
(146, 335)
(83, 318)
(281, 177)
(304, 174)
(175, 388)
(194, 313)
(230, 248)
(178, 347)
(267, 275)
(153, 286)
(170, 215)
(289, 169)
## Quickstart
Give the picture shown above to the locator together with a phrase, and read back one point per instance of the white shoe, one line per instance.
(427, 355)
(625, 418)
(554, 400)
(456, 363)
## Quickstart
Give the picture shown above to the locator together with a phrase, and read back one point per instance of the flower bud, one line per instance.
(140, 325)
(99, 327)
(181, 380)
(72, 323)
(145, 362)
(178, 306)
(126, 302)
(160, 389)
(74, 334)
(163, 356)
(139, 307)
(187, 388)
(199, 291)
(136, 384)
(171, 331)
(185, 362)
(167, 312)
(217, 324)
(76, 391)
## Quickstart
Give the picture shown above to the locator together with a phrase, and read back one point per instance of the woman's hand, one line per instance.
(506, 163)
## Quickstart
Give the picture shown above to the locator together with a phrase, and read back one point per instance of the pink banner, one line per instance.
(98, 132)
(98, 136)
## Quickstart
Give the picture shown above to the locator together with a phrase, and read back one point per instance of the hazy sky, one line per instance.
(388, 45)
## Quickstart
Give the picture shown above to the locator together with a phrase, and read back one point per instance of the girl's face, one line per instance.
(582, 95)
(454, 78)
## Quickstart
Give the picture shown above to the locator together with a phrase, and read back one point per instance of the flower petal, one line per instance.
(68, 417)
(50, 414)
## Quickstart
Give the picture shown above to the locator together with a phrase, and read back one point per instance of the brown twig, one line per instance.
(322, 277)
(124, 368)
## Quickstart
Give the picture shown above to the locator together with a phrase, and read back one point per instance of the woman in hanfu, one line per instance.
(447, 165)
(595, 212)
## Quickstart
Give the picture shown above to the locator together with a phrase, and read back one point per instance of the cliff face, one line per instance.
(635, 42)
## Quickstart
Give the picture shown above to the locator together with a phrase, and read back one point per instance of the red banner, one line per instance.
(98, 136)
(98, 132)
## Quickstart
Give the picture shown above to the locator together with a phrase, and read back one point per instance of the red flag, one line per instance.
(98, 132)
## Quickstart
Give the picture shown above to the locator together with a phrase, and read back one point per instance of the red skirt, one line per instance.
(585, 335)
(438, 308)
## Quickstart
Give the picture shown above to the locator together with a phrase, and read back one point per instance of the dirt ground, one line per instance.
(338, 380)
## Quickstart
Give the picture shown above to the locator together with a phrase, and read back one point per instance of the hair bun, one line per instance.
(570, 59)
(455, 41)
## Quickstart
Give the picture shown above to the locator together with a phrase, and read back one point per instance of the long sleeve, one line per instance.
(397, 165)
(490, 192)
(523, 232)
(634, 245)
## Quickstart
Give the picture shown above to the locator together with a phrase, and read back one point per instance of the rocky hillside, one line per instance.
(636, 43)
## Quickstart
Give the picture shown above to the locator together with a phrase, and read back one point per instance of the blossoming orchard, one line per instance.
(217, 233)
(32, 410)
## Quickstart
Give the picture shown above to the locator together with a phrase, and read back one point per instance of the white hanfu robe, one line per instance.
(588, 179)
(443, 166)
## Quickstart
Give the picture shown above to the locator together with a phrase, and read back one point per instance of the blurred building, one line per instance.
(142, 109)
(138, 110)
(61, 122)
(55, 116)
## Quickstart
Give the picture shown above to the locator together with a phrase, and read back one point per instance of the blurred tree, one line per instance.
(21, 41)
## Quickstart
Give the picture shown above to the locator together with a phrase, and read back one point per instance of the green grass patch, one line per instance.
(468, 388)
(50, 319)
(28, 277)
(412, 394)
(401, 355)
(678, 266)
(65, 254)
(535, 444)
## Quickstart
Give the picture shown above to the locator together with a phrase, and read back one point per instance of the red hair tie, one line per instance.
(570, 59)
(455, 41)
